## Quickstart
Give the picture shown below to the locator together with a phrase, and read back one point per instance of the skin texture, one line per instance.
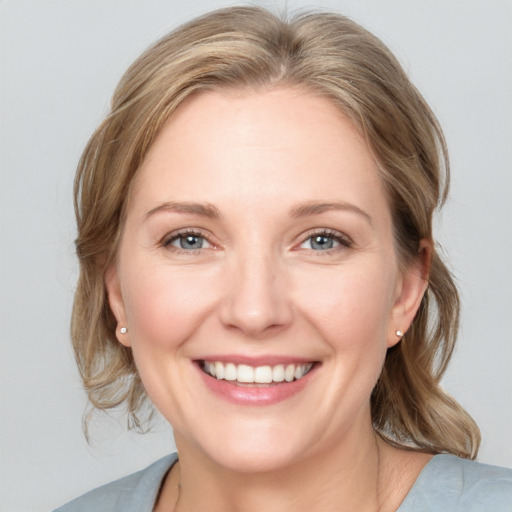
(260, 287)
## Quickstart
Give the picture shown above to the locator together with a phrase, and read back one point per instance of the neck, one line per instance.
(344, 479)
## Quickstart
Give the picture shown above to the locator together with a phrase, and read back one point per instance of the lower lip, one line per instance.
(257, 395)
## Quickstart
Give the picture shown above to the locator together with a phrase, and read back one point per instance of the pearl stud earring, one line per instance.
(123, 330)
(399, 333)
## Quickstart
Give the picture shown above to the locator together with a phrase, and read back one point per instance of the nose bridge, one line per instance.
(256, 298)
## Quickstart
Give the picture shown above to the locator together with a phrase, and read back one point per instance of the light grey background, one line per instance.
(60, 61)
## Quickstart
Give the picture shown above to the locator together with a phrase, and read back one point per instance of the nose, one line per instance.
(256, 301)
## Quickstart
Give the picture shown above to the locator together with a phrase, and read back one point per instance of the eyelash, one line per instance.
(343, 240)
(172, 237)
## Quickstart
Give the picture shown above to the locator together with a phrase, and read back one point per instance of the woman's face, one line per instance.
(258, 279)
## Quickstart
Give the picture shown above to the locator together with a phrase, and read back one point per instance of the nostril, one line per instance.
(256, 320)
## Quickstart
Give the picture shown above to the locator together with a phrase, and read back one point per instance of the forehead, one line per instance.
(281, 145)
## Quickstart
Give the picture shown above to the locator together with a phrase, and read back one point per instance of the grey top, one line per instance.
(446, 484)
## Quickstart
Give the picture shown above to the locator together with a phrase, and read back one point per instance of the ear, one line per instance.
(409, 292)
(115, 299)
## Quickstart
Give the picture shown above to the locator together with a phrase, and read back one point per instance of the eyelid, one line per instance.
(343, 239)
(174, 235)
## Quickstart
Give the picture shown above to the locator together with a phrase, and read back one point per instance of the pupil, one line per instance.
(322, 242)
(191, 242)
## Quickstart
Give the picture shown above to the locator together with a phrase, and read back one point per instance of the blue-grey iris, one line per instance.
(191, 242)
(321, 242)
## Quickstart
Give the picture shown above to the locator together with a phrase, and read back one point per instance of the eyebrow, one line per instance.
(203, 209)
(301, 210)
(313, 208)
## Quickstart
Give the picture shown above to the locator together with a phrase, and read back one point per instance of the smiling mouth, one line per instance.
(243, 374)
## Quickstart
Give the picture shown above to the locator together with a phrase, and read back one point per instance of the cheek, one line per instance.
(165, 305)
(351, 305)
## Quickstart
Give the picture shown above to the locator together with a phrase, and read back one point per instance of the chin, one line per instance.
(247, 449)
(259, 459)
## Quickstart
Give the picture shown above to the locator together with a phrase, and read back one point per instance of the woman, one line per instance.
(257, 258)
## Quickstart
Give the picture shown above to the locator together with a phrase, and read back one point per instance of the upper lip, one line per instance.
(255, 361)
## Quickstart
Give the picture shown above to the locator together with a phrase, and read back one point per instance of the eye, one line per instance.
(325, 240)
(188, 241)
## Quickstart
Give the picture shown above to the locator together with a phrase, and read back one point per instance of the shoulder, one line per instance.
(136, 492)
(451, 483)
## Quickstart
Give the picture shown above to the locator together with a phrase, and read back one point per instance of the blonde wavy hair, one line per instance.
(327, 54)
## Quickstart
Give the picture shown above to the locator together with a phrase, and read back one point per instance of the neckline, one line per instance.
(427, 469)
(173, 459)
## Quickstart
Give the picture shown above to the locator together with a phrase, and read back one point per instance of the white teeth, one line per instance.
(219, 370)
(263, 374)
(245, 373)
(230, 371)
(260, 375)
(278, 373)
